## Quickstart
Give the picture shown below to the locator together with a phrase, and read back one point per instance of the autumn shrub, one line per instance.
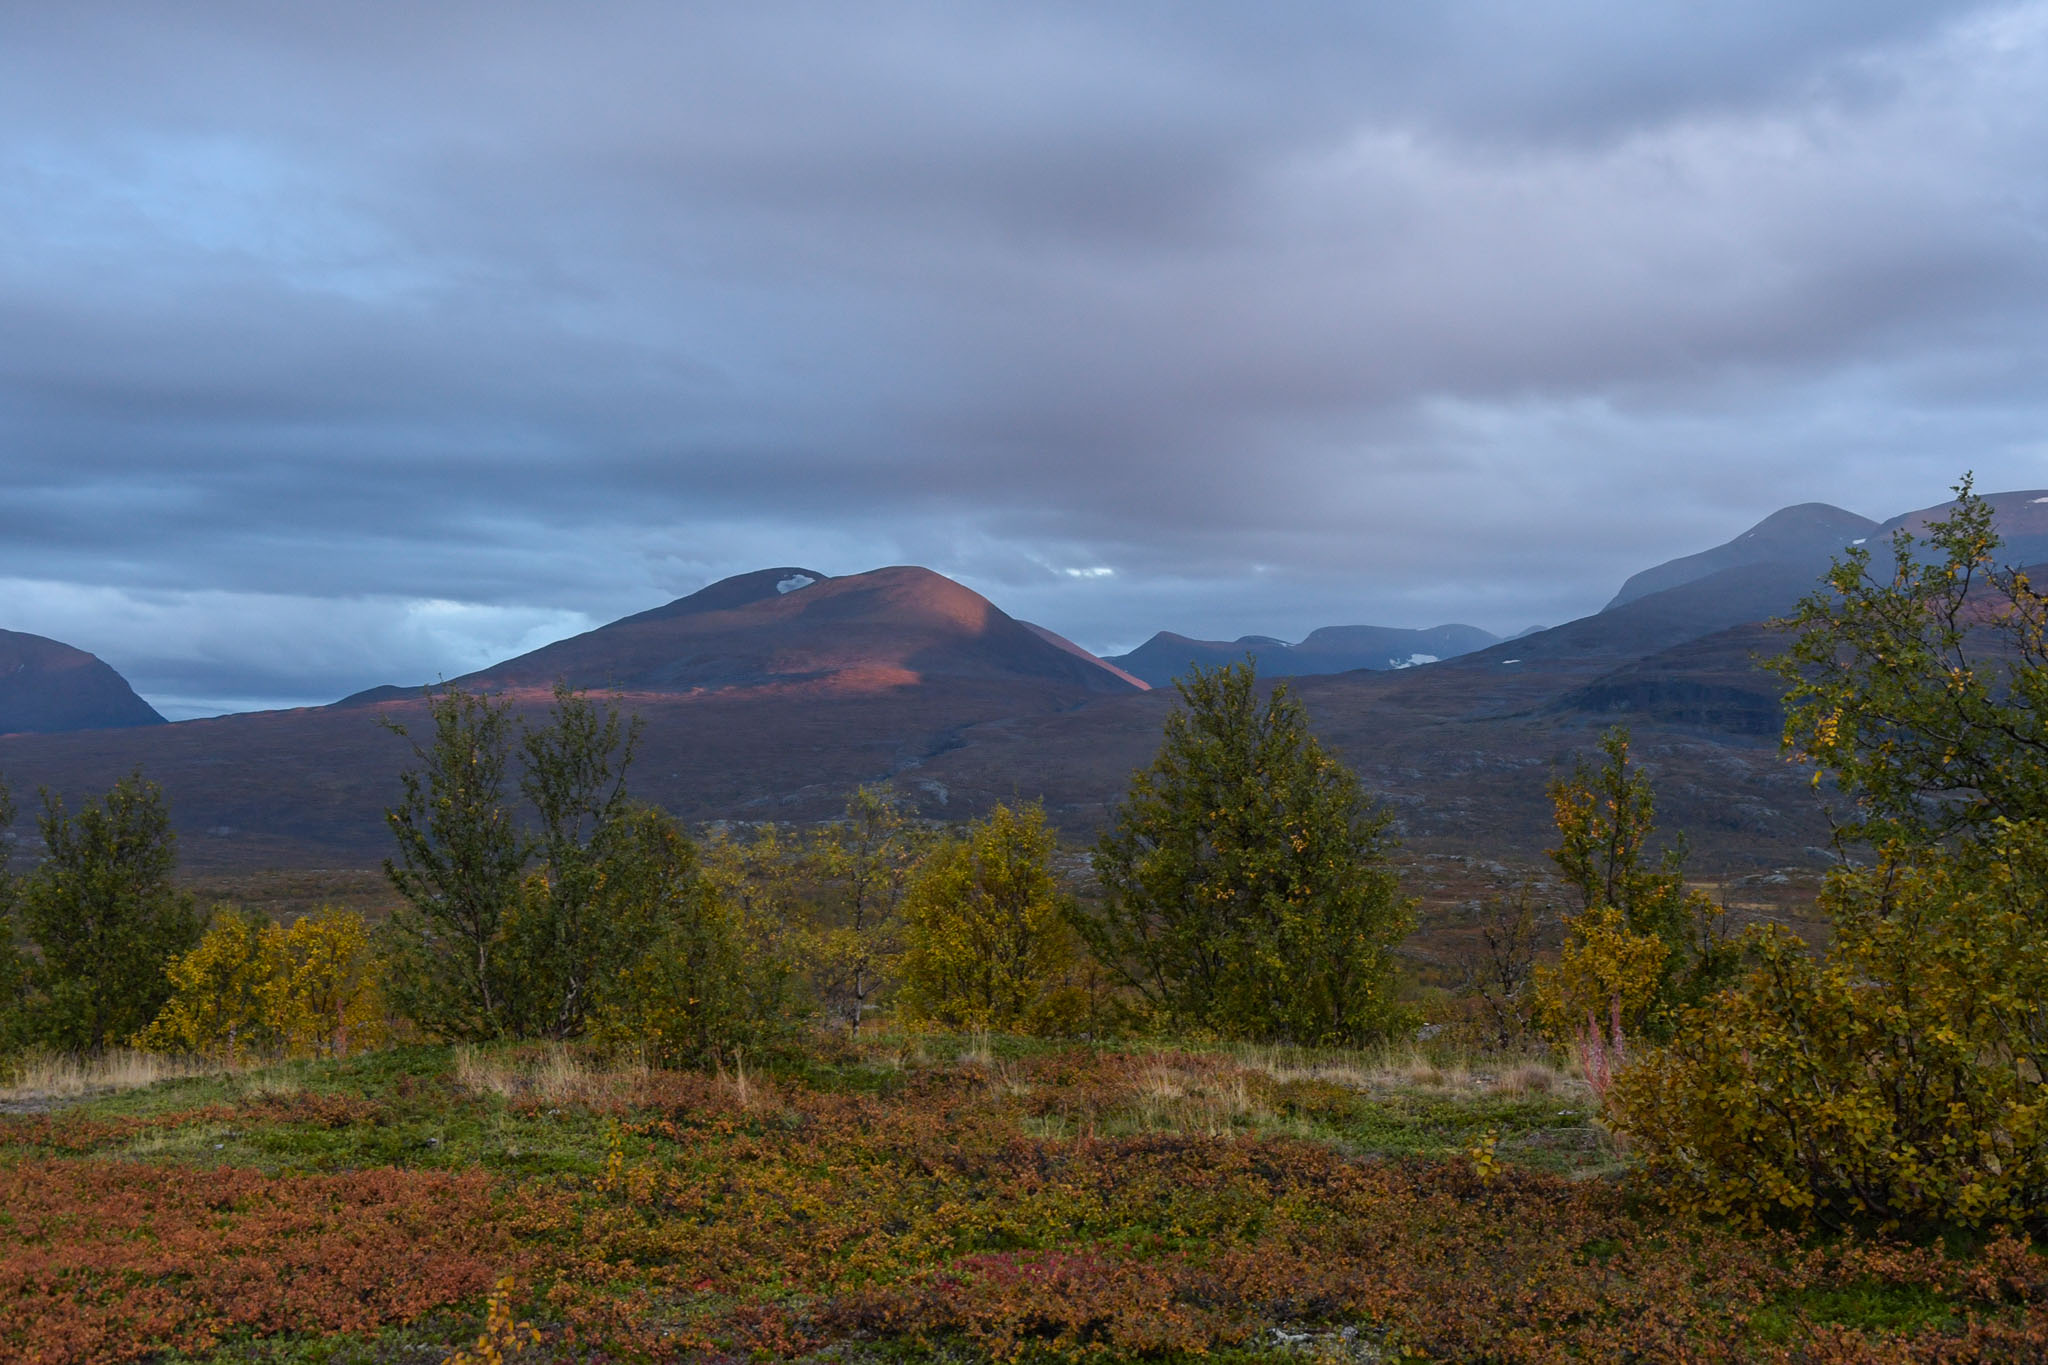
(989, 943)
(1642, 945)
(1897, 1079)
(857, 871)
(115, 1261)
(222, 1001)
(253, 988)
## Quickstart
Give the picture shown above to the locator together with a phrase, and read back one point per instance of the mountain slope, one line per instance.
(47, 687)
(2020, 516)
(893, 627)
(756, 703)
(1332, 649)
(1803, 538)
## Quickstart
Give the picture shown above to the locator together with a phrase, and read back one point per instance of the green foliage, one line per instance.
(758, 877)
(1641, 945)
(860, 867)
(614, 930)
(989, 941)
(571, 931)
(1924, 693)
(14, 966)
(675, 986)
(104, 917)
(1245, 881)
(1897, 1080)
(460, 856)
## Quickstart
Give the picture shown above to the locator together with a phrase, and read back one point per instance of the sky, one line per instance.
(353, 344)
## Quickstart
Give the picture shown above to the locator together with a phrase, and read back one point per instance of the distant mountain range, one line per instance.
(769, 695)
(1333, 649)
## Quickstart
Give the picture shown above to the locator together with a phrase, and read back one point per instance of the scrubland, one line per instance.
(908, 1198)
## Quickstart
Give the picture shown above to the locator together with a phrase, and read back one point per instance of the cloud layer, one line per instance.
(360, 344)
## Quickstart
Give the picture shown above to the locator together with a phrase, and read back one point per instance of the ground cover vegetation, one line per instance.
(603, 1088)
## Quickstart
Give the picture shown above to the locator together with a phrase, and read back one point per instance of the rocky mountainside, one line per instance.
(47, 687)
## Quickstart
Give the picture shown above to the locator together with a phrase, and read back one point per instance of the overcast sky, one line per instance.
(364, 343)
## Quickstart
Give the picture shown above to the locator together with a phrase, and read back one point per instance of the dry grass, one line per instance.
(1410, 1068)
(554, 1073)
(1191, 1098)
(53, 1076)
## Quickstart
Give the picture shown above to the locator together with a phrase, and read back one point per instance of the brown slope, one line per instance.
(894, 627)
(754, 706)
(47, 686)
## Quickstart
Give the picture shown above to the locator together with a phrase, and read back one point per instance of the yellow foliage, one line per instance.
(252, 988)
(219, 1006)
(1895, 1081)
(504, 1335)
(1603, 962)
(989, 944)
(325, 998)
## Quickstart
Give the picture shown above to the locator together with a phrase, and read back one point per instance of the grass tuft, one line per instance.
(36, 1079)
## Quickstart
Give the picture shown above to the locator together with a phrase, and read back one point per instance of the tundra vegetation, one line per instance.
(602, 1088)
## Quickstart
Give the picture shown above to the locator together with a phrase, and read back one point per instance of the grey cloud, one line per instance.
(1387, 313)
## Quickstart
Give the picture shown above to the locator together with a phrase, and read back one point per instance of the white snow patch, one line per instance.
(2041, 499)
(795, 581)
(1860, 539)
(1506, 662)
(1414, 659)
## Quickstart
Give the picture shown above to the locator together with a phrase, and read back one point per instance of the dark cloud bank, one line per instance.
(370, 343)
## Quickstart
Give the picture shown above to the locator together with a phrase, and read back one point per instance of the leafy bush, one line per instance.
(459, 862)
(859, 868)
(1245, 884)
(252, 988)
(989, 942)
(104, 917)
(601, 920)
(1923, 693)
(1642, 945)
(1900, 1079)
(677, 989)
(1897, 1080)
(220, 1005)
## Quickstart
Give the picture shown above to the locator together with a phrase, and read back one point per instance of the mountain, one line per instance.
(2021, 519)
(1332, 649)
(769, 695)
(1802, 539)
(47, 687)
(761, 696)
(894, 627)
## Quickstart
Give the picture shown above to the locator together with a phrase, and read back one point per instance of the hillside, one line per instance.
(1800, 539)
(769, 695)
(757, 702)
(47, 687)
